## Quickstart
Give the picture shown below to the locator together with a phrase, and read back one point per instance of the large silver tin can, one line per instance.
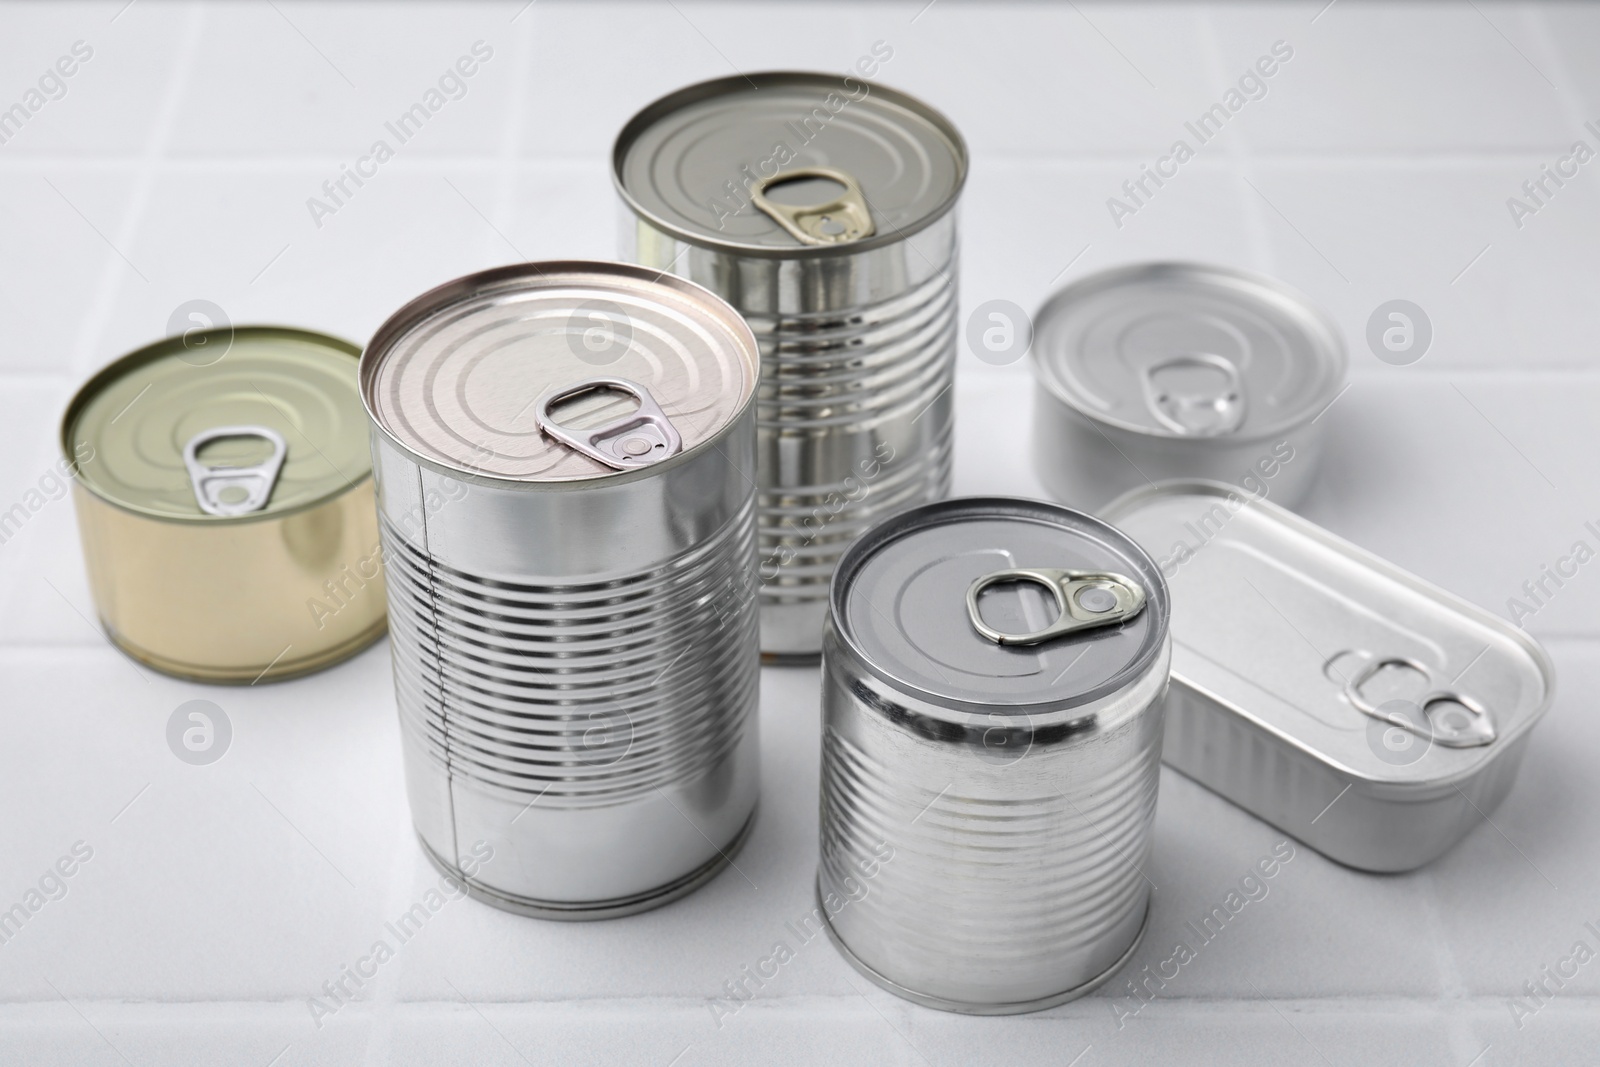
(992, 679)
(568, 526)
(1369, 714)
(1181, 370)
(822, 208)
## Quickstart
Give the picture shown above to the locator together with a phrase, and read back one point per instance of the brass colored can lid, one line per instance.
(234, 423)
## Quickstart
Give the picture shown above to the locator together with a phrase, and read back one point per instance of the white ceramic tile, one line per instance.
(1085, 80)
(120, 73)
(1518, 893)
(1393, 78)
(278, 853)
(1498, 291)
(1477, 483)
(59, 243)
(689, 948)
(1031, 228)
(327, 79)
(247, 242)
(74, 1032)
(1382, 156)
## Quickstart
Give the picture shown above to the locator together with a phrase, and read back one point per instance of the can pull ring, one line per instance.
(228, 491)
(1084, 600)
(1444, 717)
(636, 440)
(836, 222)
(1196, 394)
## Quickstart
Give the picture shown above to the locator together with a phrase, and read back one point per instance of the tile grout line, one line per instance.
(1453, 990)
(385, 995)
(1237, 154)
(385, 1001)
(87, 354)
(1573, 104)
(506, 170)
(1107, 158)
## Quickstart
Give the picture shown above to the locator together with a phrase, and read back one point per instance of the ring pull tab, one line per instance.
(1084, 599)
(228, 491)
(636, 440)
(1446, 718)
(1196, 394)
(839, 221)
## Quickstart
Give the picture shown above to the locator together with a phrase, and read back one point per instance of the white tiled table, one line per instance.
(1378, 165)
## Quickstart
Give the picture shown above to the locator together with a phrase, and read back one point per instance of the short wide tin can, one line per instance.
(569, 525)
(1181, 370)
(224, 499)
(1349, 703)
(992, 680)
(822, 208)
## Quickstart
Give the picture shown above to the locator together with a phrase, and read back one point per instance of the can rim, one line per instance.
(968, 1007)
(148, 354)
(1337, 354)
(1302, 526)
(420, 308)
(653, 112)
(941, 511)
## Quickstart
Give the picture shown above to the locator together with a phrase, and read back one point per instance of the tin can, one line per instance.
(224, 497)
(569, 524)
(992, 680)
(822, 208)
(1349, 703)
(1179, 370)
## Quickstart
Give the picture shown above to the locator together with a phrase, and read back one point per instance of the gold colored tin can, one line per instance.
(225, 502)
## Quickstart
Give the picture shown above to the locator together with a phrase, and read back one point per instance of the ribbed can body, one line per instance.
(854, 415)
(985, 864)
(576, 669)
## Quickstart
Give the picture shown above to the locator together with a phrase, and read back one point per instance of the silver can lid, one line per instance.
(1188, 351)
(559, 371)
(693, 162)
(1074, 610)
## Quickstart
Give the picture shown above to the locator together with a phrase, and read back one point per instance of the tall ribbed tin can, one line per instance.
(993, 672)
(224, 499)
(568, 517)
(822, 208)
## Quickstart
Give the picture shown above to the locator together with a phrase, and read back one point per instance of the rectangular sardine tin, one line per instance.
(1351, 704)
